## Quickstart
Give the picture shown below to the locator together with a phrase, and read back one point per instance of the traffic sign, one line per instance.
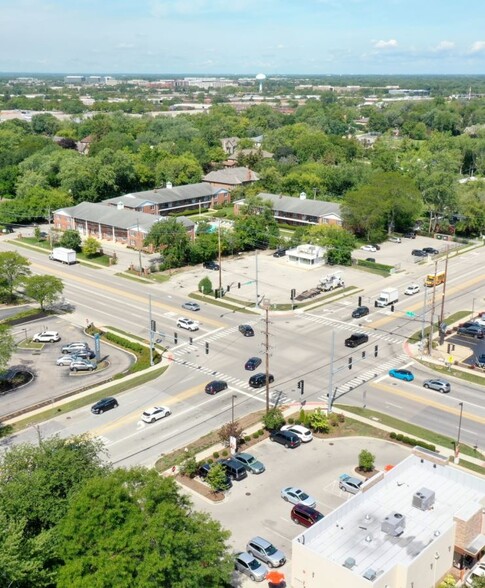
(410, 313)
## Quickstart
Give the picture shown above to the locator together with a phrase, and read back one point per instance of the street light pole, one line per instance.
(457, 448)
(266, 305)
(232, 407)
(219, 258)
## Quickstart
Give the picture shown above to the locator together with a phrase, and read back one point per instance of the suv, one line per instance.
(46, 337)
(234, 469)
(419, 253)
(204, 470)
(82, 365)
(437, 384)
(215, 386)
(247, 564)
(259, 380)
(75, 347)
(410, 235)
(252, 363)
(289, 440)
(472, 330)
(189, 324)
(266, 551)
(356, 339)
(104, 404)
(360, 311)
(480, 361)
(212, 265)
(246, 330)
(305, 515)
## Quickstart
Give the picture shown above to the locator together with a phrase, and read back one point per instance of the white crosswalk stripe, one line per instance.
(341, 326)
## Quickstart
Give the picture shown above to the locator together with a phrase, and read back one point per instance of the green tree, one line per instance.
(205, 286)
(231, 429)
(14, 268)
(217, 478)
(255, 227)
(478, 582)
(179, 170)
(134, 528)
(170, 237)
(44, 289)
(366, 460)
(71, 239)
(318, 421)
(273, 419)
(449, 582)
(90, 247)
(45, 124)
(7, 347)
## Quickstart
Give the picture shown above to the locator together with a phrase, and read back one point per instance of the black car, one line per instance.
(471, 330)
(212, 265)
(252, 363)
(204, 470)
(419, 253)
(371, 259)
(360, 311)
(289, 440)
(259, 380)
(430, 250)
(410, 235)
(104, 404)
(84, 354)
(246, 330)
(215, 386)
(480, 361)
(356, 339)
(279, 253)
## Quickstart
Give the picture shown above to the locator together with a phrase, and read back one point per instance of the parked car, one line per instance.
(234, 469)
(204, 470)
(437, 384)
(246, 330)
(82, 365)
(478, 571)
(104, 404)
(480, 361)
(409, 235)
(360, 311)
(68, 358)
(369, 248)
(188, 324)
(402, 375)
(289, 440)
(75, 347)
(305, 515)
(349, 484)
(356, 339)
(371, 259)
(377, 247)
(480, 321)
(266, 552)
(212, 265)
(85, 353)
(411, 290)
(430, 250)
(191, 306)
(215, 386)
(259, 380)
(65, 360)
(279, 253)
(249, 565)
(155, 413)
(302, 432)
(394, 239)
(250, 463)
(46, 337)
(471, 331)
(419, 253)
(297, 496)
(252, 363)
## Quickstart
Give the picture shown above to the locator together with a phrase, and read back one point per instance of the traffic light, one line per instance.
(363, 354)
(175, 338)
(350, 363)
(239, 284)
(228, 289)
(293, 293)
(301, 386)
(190, 340)
(360, 301)
(392, 307)
(376, 350)
(153, 326)
(206, 347)
(216, 293)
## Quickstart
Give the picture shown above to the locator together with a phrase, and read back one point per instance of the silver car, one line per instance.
(82, 365)
(249, 565)
(191, 306)
(250, 463)
(349, 484)
(266, 551)
(437, 384)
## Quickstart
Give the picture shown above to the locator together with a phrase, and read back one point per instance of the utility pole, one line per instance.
(266, 306)
(152, 325)
(256, 281)
(442, 312)
(431, 326)
(139, 245)
(330, 377)
(219, 256)
(50, 230)
(423, 321)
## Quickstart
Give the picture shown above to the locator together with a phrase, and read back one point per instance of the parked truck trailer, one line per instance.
(63, 255)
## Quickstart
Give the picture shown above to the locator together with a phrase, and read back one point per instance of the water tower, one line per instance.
(260, 78)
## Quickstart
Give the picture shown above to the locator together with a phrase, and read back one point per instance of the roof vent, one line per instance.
(169, 185)
(120, 205)
(424, 499)
(370, 574)
(394, 524)
(349, 563)
(302, 195)
(368, 538)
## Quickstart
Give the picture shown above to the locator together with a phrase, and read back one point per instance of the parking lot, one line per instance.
(254, 506)
(51, 380)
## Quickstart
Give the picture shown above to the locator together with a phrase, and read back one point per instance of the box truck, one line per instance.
(63, 255)
(387, 296)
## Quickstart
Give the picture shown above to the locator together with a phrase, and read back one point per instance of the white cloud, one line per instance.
(385, 44)
(477, 47)
(444, 46)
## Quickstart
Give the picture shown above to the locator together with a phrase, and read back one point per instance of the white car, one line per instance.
(46, 337)
(301, 432)
(478, 571)
(65, 360)
(369, 248)
(412, 289)
(150, 415)
(297, 496)
(189, 324)
(394, 239)
(480, 321)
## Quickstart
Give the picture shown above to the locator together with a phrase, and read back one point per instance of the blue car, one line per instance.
(402, 375)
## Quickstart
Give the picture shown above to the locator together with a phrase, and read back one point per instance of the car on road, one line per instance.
(437, 384)
(188, 324)
(480, 361)
(356, 339)
(252, 363)
(155, 413)
(289, 440)
(297, 496)
(250, 463)
(305, 515)
(302, 432)
(246, 330)
(82, 365)
(419, 253)
(401, 375)
(75, 347)
(212, 265)
(478, 571)
(191, 306)
(471, 330)
(349, 484)
(266, 552)
(46, 337)
(360, 311)
(411, 290)
(279, 253)
(259, 380)
(371, 248)
(104, 404)
(394, 239)
(431, 250)
(215, 386)
(249, 565)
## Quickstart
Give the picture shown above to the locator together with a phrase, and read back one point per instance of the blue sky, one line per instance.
(243, 36)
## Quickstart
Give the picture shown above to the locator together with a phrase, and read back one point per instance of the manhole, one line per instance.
(330, 443)
(248, 493)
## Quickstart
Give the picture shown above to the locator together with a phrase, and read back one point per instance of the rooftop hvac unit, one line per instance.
(394, 524)
(370, 574)
(349, 563)
(424, 499)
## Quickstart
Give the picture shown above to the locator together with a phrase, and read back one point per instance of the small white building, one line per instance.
(307, 255)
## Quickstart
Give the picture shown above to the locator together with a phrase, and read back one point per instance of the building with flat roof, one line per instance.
(405, 529)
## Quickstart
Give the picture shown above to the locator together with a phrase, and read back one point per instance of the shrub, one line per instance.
(225, 453)
(291, 421)
(215, 454)
(334, 420)
(399, 436)
(216, 478)
(247, 438)
(261, 432)
(303, 417)
(273, 419)
(366, 460)
(318, 421)
(205, 286)
(255, 435)
(341, 417)
(392, 435)
(189, 467)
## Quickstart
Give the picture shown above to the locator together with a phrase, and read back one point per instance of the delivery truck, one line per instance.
(387, 296)
(63, 255)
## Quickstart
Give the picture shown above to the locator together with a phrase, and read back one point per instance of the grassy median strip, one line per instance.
(473, 377)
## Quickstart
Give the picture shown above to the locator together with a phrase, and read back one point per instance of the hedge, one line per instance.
(411, 441)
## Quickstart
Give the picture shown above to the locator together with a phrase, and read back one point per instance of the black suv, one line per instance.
(259, 380)
(279, 253)
(235, 470)
(356, 339)
(431, 250)
(215, 386)
(104, 404)
(419, 253)
(246, 330)
(289, 440)
(204, 470)
(360, 311)
(471, 329)
(212, 265)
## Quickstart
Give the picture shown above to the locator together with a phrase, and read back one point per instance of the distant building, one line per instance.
(74, 80)
(306, 255)
(231, 177)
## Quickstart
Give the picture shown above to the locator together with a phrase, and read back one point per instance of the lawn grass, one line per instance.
(132, 277)
(33, 243)
(470, 376)
(457, 316)
(219, 302)
(29, 344)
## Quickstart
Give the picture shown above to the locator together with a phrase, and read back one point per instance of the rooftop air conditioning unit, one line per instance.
(349, 563)
(370, 574)
(394, 524)
(424, 499)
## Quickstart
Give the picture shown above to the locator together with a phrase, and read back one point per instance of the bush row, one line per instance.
(410, 441)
